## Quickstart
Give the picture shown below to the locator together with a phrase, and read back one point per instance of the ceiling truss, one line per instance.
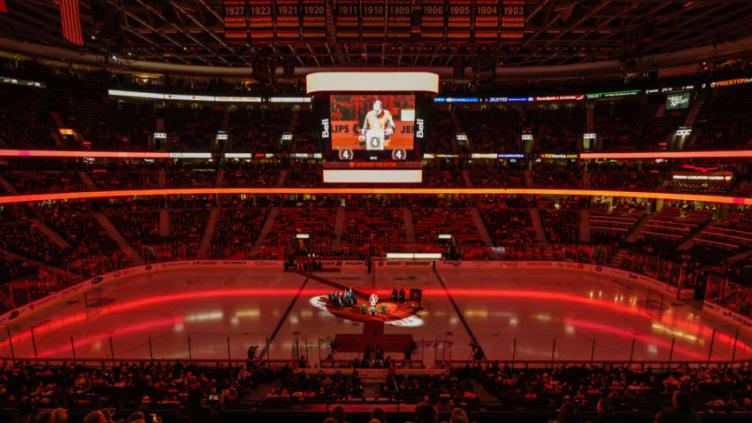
(557, 32)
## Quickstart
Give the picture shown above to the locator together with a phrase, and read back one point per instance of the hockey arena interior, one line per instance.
(375, 211)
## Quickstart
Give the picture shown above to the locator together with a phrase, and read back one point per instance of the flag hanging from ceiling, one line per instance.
(3, 7)
(71, 20)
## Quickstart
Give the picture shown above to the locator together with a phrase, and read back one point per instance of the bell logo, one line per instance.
(325, 128)
(419, 130)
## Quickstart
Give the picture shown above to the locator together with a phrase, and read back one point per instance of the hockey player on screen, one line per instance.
(377, 129)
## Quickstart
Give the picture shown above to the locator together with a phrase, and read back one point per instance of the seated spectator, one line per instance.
(682, 411)
(568, 413)
(338, 414)
(95, 417)
(426, 413)
(459, 416)
(605, 412)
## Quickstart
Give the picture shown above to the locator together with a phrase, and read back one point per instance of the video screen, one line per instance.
(372, 121)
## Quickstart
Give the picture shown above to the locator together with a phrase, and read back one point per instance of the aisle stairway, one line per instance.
(7, 186)
(162, 177)
(478, 220)
(112, 231)
(409, 228)
(15, 256)
(86, 179)
(692, 239)
(51, 234)
(60, 124)
(281, 178)
(690, 121)
(220, 178)
(203, 246)
(164, 223)
(466, 177)
(540, 233)
(339, 227)
(635, 234)
(584, 226)
(266, 229)
(741, 256)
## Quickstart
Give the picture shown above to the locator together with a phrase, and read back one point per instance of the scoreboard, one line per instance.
(485, 21)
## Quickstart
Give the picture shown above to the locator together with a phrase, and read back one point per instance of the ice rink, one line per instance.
(526, 313)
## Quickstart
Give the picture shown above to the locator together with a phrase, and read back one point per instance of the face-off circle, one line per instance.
(395, 313)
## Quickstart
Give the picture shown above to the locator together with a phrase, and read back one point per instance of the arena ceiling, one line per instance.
(557, 32)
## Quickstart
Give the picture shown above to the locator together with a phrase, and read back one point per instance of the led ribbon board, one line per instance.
(720, 154)
(9, 199)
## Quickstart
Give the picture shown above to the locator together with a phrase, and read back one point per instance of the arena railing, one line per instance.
(405, 368)
(116, 362)
(740, 365)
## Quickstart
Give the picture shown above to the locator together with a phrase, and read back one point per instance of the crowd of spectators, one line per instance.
(192, 178)
(23, 237)
(74, 220)
(236, 230)
(261, 173)
(34, 182)
(496, 174)
(186, 229)
(553, 175)
(721, 122)
(441, 133)
(374, 225)
(369, 227)
(443, 173)
(561, 223)
(135, 220)
(630, 125)
(127, 177)
(26, 117)
(508, 221)
(40, 177)
(562, 130)
(190, 392)
(181, 388)
(449, 218)
(492, 129)
(100, 122)
(620, 389)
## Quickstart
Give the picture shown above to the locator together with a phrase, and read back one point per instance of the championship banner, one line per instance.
(512, 21)
(486, 20)
(70, 17)
(460, 14)
(433, 22)
(314, 19)
(346, 19)
(288, 20)
(236, 28)
(374, 16)
(398, 19)
(260, 21)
